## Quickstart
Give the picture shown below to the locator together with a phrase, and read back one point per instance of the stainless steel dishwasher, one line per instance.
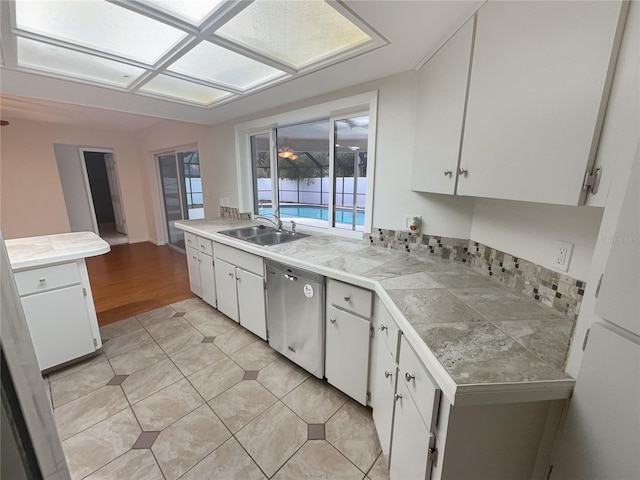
(295, 315)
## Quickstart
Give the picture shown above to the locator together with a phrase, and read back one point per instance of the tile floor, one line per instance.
(184, 392)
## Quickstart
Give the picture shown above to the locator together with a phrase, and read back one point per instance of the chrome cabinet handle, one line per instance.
(194, 257)
(462, 171)
(290, 277)
(383, 328)
(347, 298)
(408, 377)
(199, 261)
(230, 274)
(42, 280)
(332, 320)
(202, 246)
(447, 172)
(387, 374)
(397, 396)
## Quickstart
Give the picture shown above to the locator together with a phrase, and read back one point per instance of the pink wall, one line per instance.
(31, 199)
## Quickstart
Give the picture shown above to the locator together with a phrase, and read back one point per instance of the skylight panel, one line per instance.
(183, 90)
(53, 59)
(295, 32)
(217, 64)
(99, 25)
(192, 11)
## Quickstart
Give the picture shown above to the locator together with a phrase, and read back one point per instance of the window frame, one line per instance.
(333, 110)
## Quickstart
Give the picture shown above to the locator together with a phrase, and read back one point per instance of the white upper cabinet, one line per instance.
(540, 78)
(618, 295)
(442, 93)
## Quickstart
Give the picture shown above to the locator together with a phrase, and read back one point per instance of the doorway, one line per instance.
(104, 188)
(181, 191)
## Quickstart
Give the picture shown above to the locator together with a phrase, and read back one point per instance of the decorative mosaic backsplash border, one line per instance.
(554, 289)
(445, 247)
(233, 212)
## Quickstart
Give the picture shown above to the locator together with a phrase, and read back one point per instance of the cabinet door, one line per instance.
(537, 95)
(383, 387)
(225, 275)
(251, 302)
(59, 325)
(410, 456)
(207, 279)
(193, 266)
(621, 279)
(347, 353)
(442, 94)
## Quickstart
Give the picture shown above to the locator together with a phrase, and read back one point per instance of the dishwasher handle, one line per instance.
(290, 277)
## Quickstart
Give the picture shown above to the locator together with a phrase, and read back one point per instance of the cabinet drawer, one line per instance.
(190, 240)
(422, 387)
(387, 329)
(205, 245)
(247, 261)
(47, 278)
(349, 297)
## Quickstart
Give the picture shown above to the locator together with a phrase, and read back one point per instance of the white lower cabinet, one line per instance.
(423, 436)
(227, 290)
(382, 382)
(347, 353)
(201, 268)
(348, 333)
(59, 310)
(251, 305)
(194, 271)
(412, 442)
(240, 288)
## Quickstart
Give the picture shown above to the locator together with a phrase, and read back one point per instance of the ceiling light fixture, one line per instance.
(286, 152)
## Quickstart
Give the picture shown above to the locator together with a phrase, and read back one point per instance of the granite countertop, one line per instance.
(29, 252)
(473, 333)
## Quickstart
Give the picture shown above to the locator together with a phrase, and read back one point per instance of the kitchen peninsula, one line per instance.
(446, 377)
(53, 284)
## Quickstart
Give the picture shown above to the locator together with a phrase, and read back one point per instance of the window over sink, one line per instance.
(312, 166)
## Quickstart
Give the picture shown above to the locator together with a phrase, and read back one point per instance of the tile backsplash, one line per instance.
(233, 212)
(554, 289)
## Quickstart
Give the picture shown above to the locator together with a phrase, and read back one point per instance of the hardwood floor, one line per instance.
(134, 278)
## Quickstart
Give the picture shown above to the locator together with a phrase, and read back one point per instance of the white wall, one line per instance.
(31, 197)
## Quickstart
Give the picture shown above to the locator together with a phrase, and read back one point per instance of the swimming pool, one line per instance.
(317, 212)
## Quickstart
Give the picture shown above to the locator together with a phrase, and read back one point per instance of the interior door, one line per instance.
(116, 198)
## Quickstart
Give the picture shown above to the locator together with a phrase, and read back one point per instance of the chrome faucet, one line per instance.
(277, 222)
(293, 227)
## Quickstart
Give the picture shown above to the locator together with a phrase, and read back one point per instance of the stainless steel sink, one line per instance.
(248, 231)
(262, 235)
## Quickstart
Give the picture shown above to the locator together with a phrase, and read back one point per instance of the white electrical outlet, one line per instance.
(412, 222)
(562, 256)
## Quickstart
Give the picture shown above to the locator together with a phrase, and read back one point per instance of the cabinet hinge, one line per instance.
(84, 291)
(371, 331)
(592, 180)
(599, 285)
(586, 338)
(433, 455)
(95, 343)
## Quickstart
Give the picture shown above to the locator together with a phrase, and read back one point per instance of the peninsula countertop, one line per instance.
(29, 252)
(479, 339)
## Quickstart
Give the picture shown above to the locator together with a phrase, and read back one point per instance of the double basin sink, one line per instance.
(263, 235)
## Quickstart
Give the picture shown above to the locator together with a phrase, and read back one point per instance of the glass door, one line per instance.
(181, 191)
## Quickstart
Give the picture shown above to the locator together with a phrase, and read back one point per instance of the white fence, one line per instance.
(315, 191)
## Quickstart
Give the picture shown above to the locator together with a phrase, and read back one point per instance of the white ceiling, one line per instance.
(414, 30)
